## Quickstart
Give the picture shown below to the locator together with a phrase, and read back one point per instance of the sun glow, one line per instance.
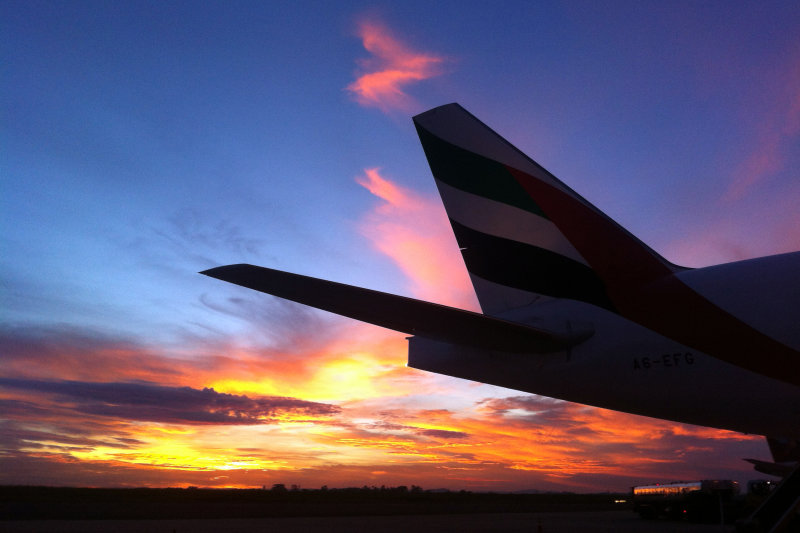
(336, 378)
(193, 450)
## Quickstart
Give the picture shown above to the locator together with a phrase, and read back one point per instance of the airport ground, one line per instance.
(64, 510)
(545, 522)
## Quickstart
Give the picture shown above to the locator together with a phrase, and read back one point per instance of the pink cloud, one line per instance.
(778, 129)
(393, 66)
(414, 232)
(765, 160)
(731, 238)
(394, 195)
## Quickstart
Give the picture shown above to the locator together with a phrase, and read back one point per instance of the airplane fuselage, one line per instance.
(627, 367)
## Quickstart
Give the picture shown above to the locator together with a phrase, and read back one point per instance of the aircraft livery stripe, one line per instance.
(460, 128)
(474, 173)
(644, 289)
(502, 220)
(529, 268)
(495, 298)
(619, 258)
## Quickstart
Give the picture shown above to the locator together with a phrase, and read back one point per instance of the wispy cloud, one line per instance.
(66, 352)
(189, 229)
(761, 232)
(185, 433)
(280, 324)
(778, 128)
(414, 232)
(383, 77)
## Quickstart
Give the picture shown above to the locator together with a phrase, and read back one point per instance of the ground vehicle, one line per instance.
(697, 501)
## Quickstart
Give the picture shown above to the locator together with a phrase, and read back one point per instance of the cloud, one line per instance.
(553, 442)
(281, 325)
(415, 233)
(300, 356)
(393, 66)
(171, 405)
(762, 231)
(443, 433)
(66, 352)
(218, 412)
(541, 442)
(396, 197)
(199, 237)
(412, 431)
(518, 441)
(777, 130)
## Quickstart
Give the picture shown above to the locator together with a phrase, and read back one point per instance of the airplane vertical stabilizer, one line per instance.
(524, 235)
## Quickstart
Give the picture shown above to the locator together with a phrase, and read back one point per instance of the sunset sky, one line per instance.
(143, 142)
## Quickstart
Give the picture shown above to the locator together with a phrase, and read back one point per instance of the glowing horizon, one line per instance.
(232, 136)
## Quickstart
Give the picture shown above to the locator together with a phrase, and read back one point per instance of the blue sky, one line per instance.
(143, 142)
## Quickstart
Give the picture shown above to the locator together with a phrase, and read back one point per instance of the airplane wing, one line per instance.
(415, 317)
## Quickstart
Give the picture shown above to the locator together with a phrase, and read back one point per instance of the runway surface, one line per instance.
(545, 522)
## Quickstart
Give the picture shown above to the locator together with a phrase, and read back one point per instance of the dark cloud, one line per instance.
(40, 342)
(63, 352)
(180, 405)
(60, 350)
(443, 433)
(36, 436)
(12, 409)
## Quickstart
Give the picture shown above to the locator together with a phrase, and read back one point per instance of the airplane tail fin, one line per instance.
(784, 450)
(524, 235)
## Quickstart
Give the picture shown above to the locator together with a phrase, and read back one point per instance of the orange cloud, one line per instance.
(392, 67)
(414, 232)
(540, 442)
(187, 435)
